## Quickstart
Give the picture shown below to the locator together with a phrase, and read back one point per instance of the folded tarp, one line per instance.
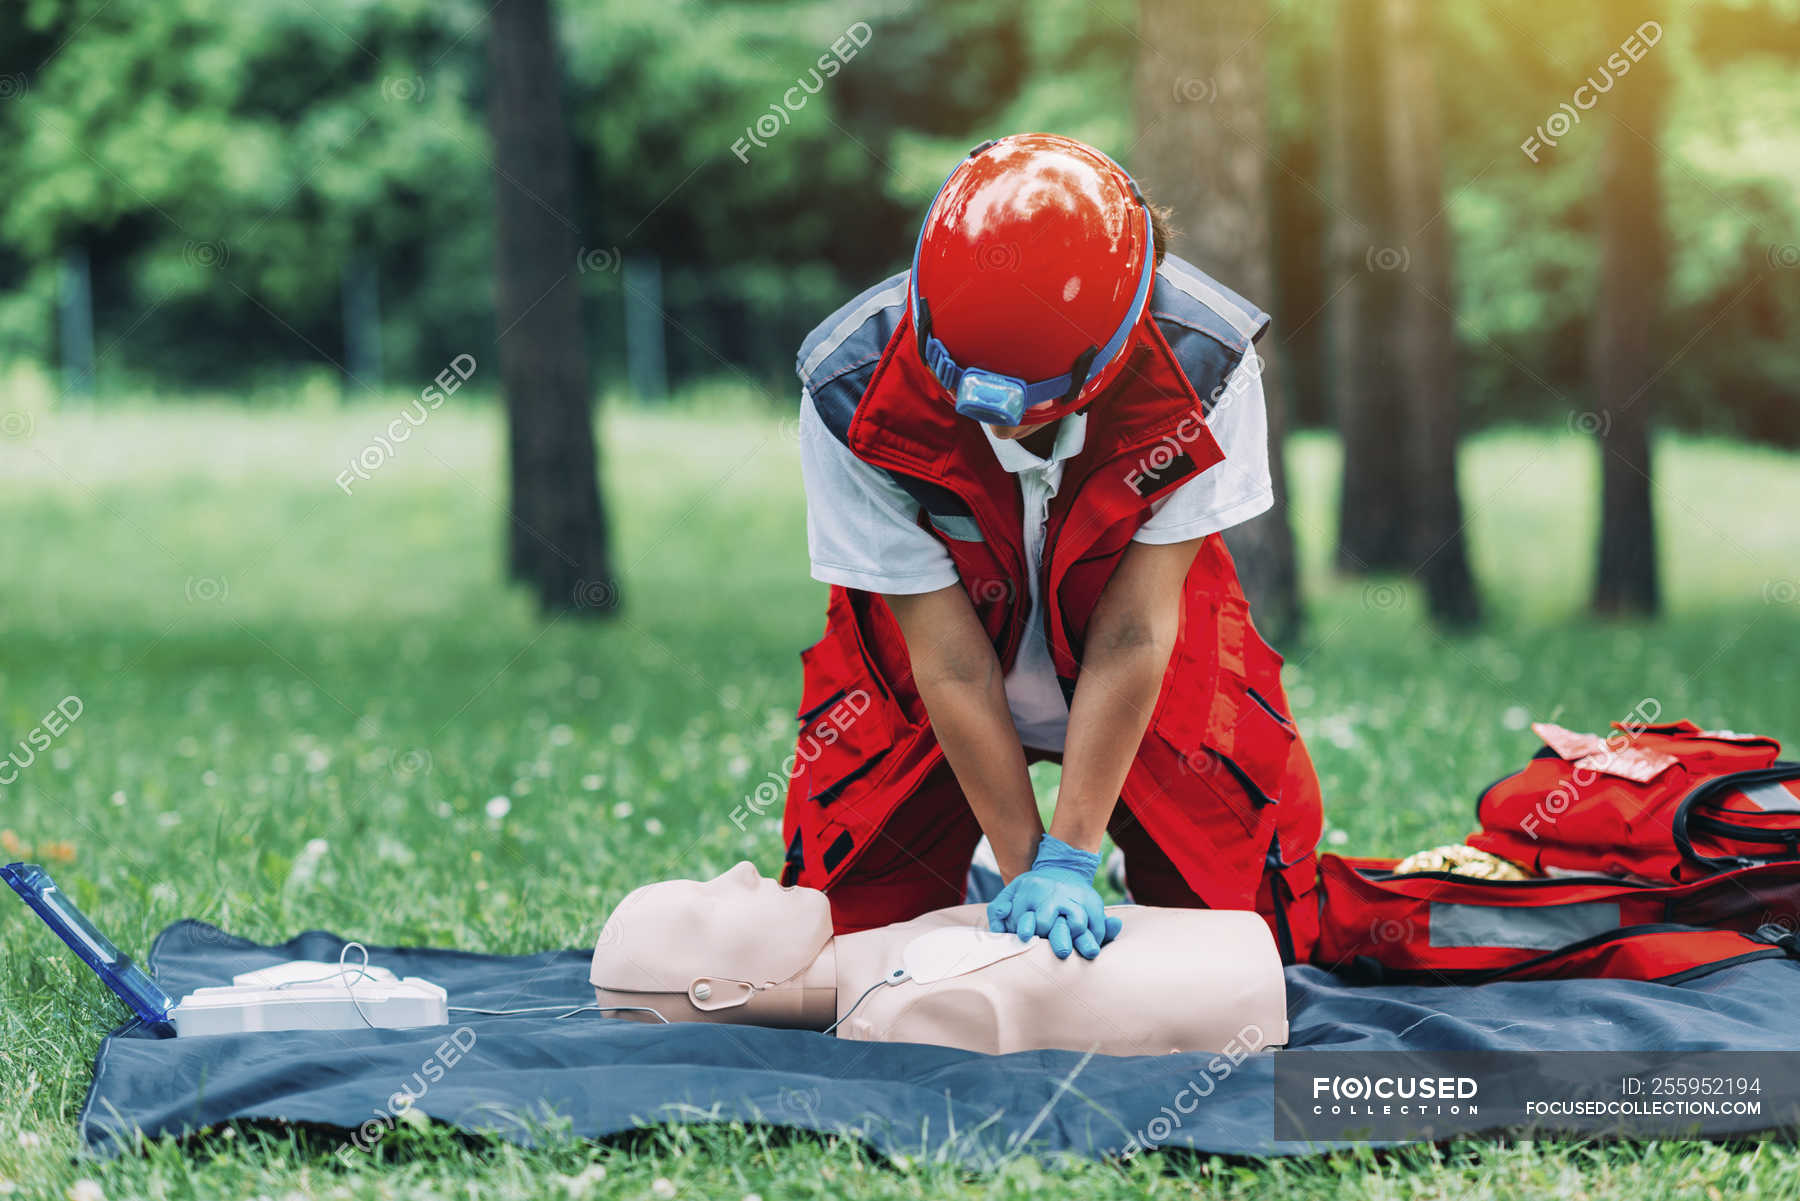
(595, 1076)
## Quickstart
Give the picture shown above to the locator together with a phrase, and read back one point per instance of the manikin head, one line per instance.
(737, 948)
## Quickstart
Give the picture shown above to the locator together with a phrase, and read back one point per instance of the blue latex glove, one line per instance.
(1056, 899)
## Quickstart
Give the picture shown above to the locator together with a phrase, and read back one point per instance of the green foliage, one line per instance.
(226, 164)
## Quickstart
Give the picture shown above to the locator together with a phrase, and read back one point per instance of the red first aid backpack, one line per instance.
(1663, 803)
(1668, 851)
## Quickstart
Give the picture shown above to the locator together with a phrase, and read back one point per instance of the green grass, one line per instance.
(266, 664)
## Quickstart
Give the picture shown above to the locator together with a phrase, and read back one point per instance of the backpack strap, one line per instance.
(1741, 781)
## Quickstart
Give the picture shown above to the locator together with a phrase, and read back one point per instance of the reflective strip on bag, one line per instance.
(1538, 927)
(1772, 798)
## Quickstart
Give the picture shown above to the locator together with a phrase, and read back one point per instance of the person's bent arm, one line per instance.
(958, 676)
(1129, 640)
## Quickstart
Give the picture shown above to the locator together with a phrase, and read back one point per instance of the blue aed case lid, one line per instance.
(115, 969)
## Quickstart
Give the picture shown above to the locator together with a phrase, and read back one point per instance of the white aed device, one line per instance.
(295, 995)
(310, 995)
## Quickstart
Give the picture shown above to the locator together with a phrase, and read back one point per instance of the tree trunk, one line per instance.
(1437, 552)
(1624, 359)
(558, 541)
(1371, 257)
(1202, 151)
(1300, 226)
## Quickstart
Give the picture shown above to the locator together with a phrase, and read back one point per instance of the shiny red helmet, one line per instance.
(1032, 271)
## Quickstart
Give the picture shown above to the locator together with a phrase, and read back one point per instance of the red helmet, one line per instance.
(1032, 271)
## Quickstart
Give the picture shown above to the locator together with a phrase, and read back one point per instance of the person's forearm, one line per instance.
(1120, 678)
(974, 726)
(958, 676)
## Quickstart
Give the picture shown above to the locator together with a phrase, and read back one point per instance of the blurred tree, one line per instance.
(1425, 332)
(1299, 89)
(557, 534)
(1371, 257)
(1732, 218)
(1626, 363)
(1203, 141)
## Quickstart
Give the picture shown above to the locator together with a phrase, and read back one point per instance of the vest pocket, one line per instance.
(1221, 723)
(848, 718)
(1253, 738)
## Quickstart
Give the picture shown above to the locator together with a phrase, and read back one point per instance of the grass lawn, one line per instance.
(298, 705)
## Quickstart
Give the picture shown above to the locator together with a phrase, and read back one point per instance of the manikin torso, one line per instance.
(742, 949)
(1174, 980)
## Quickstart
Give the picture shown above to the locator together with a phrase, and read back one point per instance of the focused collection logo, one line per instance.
(1368, 1096)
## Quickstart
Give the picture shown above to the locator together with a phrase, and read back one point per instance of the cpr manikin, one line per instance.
(743, 949)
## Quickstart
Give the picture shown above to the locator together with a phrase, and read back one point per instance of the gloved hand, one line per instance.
(1056, 899)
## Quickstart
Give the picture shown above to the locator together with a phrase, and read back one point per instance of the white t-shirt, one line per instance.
(862, 528)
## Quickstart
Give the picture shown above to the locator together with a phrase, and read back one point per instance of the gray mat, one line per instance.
(599, 1076)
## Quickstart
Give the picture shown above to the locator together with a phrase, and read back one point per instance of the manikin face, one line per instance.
(742, 888)
(737, 926)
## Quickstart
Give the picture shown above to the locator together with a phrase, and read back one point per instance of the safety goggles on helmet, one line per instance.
(994, 398)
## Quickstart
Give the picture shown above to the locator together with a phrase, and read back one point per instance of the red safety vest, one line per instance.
(1220, 782)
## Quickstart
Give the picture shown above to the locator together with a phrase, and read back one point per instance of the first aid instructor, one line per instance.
(1018, 456)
